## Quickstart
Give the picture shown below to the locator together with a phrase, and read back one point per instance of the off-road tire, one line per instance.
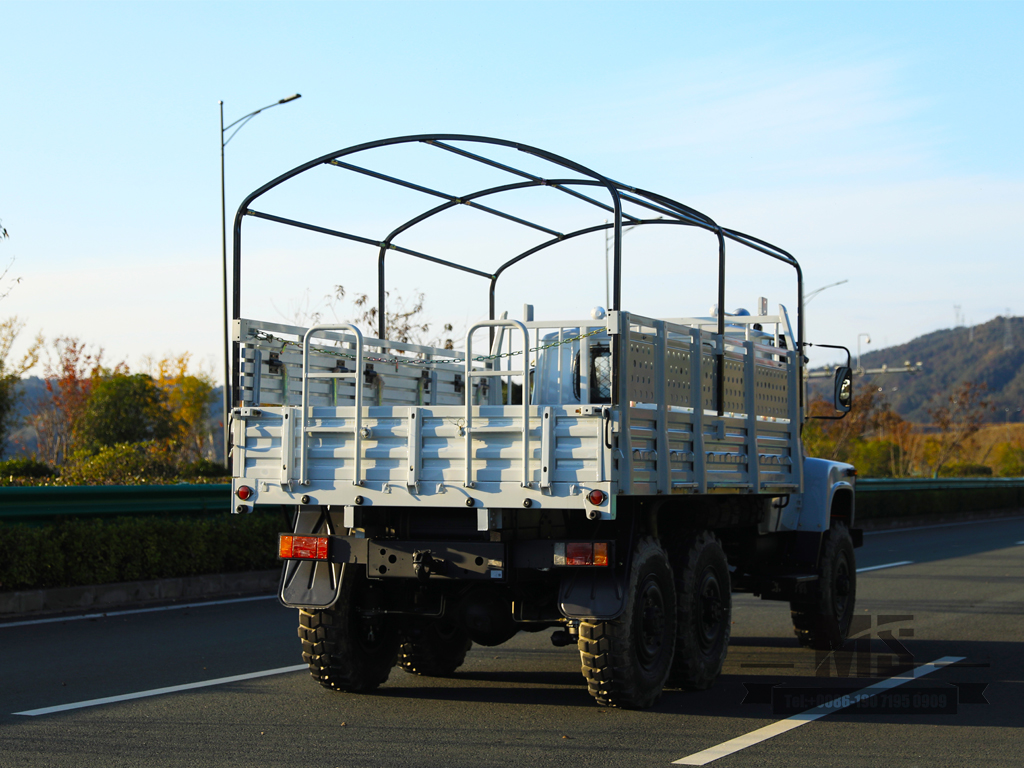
(704, 615)
(345, 650)
(626, 661)
(822, 621)
(433, 648)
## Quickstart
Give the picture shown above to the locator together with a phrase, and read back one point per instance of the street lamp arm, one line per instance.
(812, 294)
(246, 118)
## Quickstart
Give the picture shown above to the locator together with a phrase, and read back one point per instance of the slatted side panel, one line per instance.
(578, 452)
(725, 454)
(681, 452)
(650, 451)
(385, 448)
(643, 443)
(261, 448)
(776, 456)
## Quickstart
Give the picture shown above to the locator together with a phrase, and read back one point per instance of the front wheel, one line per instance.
(823, 620)
(627, 661)
(345, 649)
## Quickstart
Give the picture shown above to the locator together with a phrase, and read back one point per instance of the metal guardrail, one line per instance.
(888, 484)
(41, 504)
(876, 498)
(890, 499)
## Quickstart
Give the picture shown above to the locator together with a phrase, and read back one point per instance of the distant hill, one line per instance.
(949, 358)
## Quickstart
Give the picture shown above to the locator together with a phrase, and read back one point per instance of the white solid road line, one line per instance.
(107, 614)
(887, 565)
(159, 691)
(782, 726)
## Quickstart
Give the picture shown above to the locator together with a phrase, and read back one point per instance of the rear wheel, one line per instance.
(704, 613)
(346, 650)
(433, 648)
(822, 621)
(626, 661)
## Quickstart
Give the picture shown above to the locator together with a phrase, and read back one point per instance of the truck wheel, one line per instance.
(626, 661)
(345, 650)
(704, 613)
(823, 621)
(434, 648)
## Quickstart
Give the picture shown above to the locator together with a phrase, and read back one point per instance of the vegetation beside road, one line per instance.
(78, 552)
(958, 441)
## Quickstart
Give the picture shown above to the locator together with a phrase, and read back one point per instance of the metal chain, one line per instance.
(268, 337)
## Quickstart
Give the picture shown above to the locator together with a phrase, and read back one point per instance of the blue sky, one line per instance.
(878, 142)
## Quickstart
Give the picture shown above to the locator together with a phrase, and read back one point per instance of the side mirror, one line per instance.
(843, 399)
(842, 396)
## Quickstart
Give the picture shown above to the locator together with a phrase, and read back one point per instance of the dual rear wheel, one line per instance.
(350, 650)
(674, 631)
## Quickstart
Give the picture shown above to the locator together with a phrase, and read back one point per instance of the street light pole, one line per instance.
(867, 338)
(240, 122)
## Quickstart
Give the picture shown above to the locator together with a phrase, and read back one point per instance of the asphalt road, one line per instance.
(525, 703)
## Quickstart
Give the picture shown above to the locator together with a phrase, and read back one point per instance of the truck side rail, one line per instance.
(498, 373)
(306, 427)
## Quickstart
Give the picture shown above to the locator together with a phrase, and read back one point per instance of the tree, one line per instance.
(872, 437)
(69, 382)
(958, 419)
(403, 322)
(835, 438)
(124, 408)
(189, 398)
(903, 442)
(1009, 459)
(3, 275)
(11, 372)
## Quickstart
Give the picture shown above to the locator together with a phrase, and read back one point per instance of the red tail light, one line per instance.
(303, 547)
(244, 492)
(581, 553)
(597, 497)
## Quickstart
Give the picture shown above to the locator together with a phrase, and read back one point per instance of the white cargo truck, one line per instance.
(611, 478)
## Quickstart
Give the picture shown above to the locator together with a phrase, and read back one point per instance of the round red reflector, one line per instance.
(244, 492)
(596, 497)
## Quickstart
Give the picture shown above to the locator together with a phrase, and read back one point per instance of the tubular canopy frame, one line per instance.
(582, 187)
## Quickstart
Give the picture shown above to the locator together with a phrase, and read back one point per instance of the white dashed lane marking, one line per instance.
(782, 726)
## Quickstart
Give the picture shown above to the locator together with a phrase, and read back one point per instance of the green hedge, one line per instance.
(77, 552)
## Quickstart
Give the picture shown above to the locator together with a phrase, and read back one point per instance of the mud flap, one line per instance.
(592, 594)
(312, 583)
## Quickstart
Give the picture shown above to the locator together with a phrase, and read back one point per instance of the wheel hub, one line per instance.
(843, 585)
(710, 609)
(650, 623)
